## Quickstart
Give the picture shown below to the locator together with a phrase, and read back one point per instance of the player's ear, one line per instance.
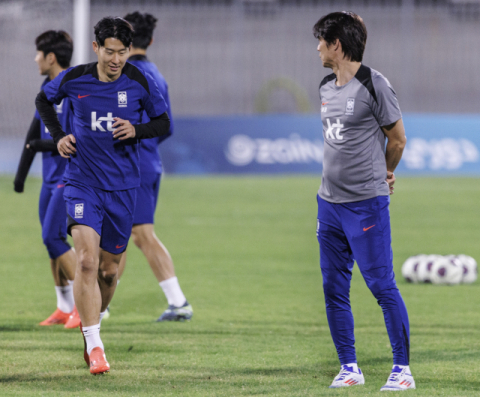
(337, 45)
(51, 58)
(151, 41)
(95, 46)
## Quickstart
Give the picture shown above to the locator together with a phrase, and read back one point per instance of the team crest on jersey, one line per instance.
(350, 106)
(122, 99)
(79, 210)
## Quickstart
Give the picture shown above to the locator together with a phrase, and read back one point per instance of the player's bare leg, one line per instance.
(88, 297)
(161, 264)
(156, 253)
(63, 271)
(63, 268)
(86, 289)
(108, 276)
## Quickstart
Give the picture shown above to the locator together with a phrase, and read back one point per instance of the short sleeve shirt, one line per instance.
(354, 166)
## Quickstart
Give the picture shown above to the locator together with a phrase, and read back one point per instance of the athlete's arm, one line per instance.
(49, 116)
(42, 145)
(27, 157)
(65, 143)
(157, 126)
(397, 140)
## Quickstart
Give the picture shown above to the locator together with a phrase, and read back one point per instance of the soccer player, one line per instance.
(359, 113)
(143, 233)
(108, 98)
(54, 52)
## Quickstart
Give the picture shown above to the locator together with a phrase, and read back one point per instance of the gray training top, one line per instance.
(354, 166)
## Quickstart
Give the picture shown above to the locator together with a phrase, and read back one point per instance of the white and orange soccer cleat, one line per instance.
(73, 320)
(399, 379)
(98, 362)
(58, 317)
(348, 377)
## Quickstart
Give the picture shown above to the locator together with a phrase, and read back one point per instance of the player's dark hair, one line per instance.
(113, 28)
(347, 27)
(144, 25)
(58, 42)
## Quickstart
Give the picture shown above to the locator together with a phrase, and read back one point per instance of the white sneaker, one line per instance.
(348, 377)
(400, 379)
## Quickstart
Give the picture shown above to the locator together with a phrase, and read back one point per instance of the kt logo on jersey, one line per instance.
(333, 130)
(97, 123)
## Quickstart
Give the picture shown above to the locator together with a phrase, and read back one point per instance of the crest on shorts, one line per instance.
(350, 106)
(79, 210)
(122, 99)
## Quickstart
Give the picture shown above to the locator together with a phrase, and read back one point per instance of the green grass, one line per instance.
(247, 259)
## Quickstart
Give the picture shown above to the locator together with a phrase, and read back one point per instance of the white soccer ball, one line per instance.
(446, 270)
(409, 268)
(424, 268)
(470, 270)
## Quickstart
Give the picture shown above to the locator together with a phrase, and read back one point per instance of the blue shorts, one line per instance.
(147, 197)
(109, 213)
(53, 217)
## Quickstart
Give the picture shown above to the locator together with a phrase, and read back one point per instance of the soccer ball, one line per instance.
(470, 271)
(446, 270)
(424, 268)
(410, 266)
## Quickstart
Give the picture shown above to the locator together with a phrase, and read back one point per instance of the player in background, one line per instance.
(108, 98)
(359, 113)
(54, 52)
(143, 233)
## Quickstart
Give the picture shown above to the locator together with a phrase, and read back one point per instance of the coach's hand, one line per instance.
(66, 146)
(125, 129)
(391, 180)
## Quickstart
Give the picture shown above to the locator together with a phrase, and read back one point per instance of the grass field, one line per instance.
(247, 259)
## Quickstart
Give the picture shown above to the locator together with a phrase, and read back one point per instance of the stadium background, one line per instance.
(253, 57)
(244, 247)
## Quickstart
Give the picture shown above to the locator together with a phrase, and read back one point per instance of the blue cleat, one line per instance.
(173, 313)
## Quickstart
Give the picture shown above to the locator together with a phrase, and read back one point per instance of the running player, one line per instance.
(359, 113)
(143, 233)
(108, 99)
(54, 52)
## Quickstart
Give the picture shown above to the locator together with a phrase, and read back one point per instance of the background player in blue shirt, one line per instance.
(54, 52)
(108, 99)
(143, 233)
(360, 112)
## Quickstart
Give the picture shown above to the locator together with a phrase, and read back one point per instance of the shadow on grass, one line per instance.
(18, 327)
(435, 356)
(429, 329)
(223, 330)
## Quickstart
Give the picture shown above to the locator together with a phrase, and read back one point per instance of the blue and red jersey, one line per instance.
(150, 161)
(102, 161)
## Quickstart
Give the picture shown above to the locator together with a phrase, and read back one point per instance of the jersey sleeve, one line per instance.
(55, 90)
(153, 102)
(386, 108)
